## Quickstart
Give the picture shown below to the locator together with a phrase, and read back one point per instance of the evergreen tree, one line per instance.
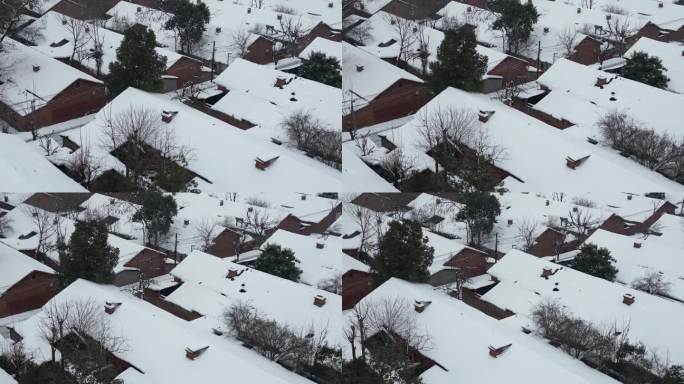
(458, 63)
(278, 261)
(516, 20)
(156, 214)
(645, 69)
(595, 261)
(88, 255)
(189, 21)
(479, 212)
(674, 375)
(403, 253)
(321, 68)
(137, 63)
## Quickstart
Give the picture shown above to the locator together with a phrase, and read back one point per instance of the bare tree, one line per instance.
(365, 222)
(206, 232)
(5, 225)
(460, 279)
(581, 222)
(96, 34)
(440, 130)
(653, 283)
(568, 39)
(258, 222)
(619, 30)
(48, 145)
(45, 224)
(527, 232)
(331, 284)
(309, 134)
(85, 166)
(291, 30)
(241, 40)
(358, 327)
(406, 35)
(80, 37)
(360, 33)
(11, 15)
(364, 144)
(397, 166)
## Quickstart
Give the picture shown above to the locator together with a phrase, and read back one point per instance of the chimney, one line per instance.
(547, 203)
(495, 352)
(319, 300)
(330, 5)
(192, 354)
(110, 308)
(608, 16)
(628, 299)
(484, 116)
(420, 306)
(218, 29)
(232, 273)
(303, 197)
(186, 222)
(359, 68)
(320, 245)
(221, 203)
(579, 10)
(629, 197)
(250, 209)
(36, 67)
(279, 17)
(280, 82)
(546, 272)
(139, 9)
(660, 4)
(510, 222)
(64, 21)
(637, 244)
(249, 10)
(600, 82)
(168, 116)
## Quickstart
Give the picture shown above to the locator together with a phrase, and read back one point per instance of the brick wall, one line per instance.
(31, 292)
(355, 286)
(185, 69)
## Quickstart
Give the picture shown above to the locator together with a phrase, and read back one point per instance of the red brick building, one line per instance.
(587, 51)
(663, 33)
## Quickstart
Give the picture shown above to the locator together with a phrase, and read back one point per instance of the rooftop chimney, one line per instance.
(495, 352)
(628, 299)
(637, 244)
(601, 81)
(579, 10)
(359, 68)
(319, 300)
(36, 67)
(218, 29)
(660, 4)
(186, 222)
(420, 306)
(484, 116)
(111, 307)
(320, 245)
(546, 272)
(192, 354)
(264, 164)
(303, 197)
(221, 203)
(547, 203)
(168, 116)
(510, 221)
(232, 272)
(629, 197)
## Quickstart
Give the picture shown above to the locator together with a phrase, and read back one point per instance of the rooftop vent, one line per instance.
(629, 197)
(139, 9)
(484, 116)
(547, 203)
(320, 245)
(36, 67)
(168, 116)
(608, 16)
(221, 203)
(330, 5)
(303, 197)
(637, 244)
(249, 10)
(510, 221)
(573, 164)
(264, 164)
(579, 10)
(546, 272)
(359, 68)
(186, 222)
(319, 300)
(192, 354)
(232, 272)
(628, 299)
(111, 307)
(660, 4)
(546, 29)
(495, 352)
(420, 306)
(218, 29)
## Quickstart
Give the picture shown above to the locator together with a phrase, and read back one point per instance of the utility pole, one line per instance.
(175, 251)
(538, 58)
(213, 64)
(496, 246)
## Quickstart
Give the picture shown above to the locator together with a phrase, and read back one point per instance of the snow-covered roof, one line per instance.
(33, 79)
(671, 228)
(15, 266)
(575, 97)
(652, 320)
(533, 151)
(266, 96)
(5, 377)
(207, 290)
(53, 33)
(670, 14)
(221, 153)
(460, 337)
(365, 76)
(329, 47)
(23, 169)
(317, 264)
(652, 256)
(358, 177)
(671, 56)
(351, 264)
(155, 342)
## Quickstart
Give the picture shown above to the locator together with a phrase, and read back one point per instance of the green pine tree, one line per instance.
(137, 63)
(321, 68)
(88, 255)
(189, 21)
(479, 212)
(646, 69)
(156, 214)
(278, 261)
(458, 63)
(595, 261)
(516, 20)
(403, 253)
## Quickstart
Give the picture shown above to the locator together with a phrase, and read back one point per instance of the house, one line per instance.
(160, 347)
(55, 41)
(25, 170)
(666, 32)
(265, 97)
(59, 203)
(328, 47)
(357, 176)
(671, 55)
(651, 319)
(25, 284)
(38, 91)
(211, 285)
(384, 202)
(635, 258)
(133, 258)
(318, 257)
(519, 358)
(376, 91)
(83, 9)
(223, 156)
(414, 9)
(307, 225)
